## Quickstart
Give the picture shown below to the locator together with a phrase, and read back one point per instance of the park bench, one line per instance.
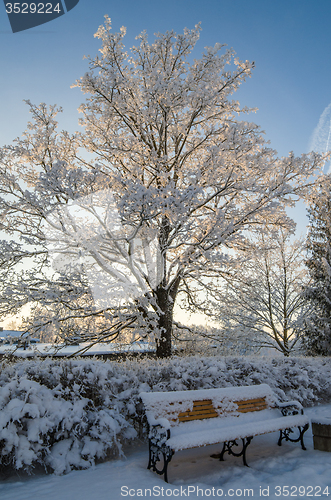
(188, 419)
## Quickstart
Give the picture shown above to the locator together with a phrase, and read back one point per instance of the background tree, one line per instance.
(260, 302)
(163, 135)
(318, 324)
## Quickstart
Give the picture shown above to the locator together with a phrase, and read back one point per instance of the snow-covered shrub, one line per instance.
(65, 414)
(56, 421)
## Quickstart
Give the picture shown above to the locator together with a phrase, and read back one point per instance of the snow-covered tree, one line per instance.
(162, 136)
(318, 293)
(260, 302)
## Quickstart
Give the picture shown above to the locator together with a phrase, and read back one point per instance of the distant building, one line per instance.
(14, 337)
(9, 335)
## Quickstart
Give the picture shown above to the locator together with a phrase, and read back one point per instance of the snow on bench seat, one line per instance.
(227, 430)
(188, 419)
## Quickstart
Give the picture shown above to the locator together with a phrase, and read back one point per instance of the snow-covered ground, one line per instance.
(274, 472)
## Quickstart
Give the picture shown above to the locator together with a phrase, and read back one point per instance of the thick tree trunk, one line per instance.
(166, 305)
(165, 295)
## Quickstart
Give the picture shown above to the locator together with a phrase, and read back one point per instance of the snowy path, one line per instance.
(270, 467)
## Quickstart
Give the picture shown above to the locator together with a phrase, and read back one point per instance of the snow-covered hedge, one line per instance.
(67, 414)
(47, 417)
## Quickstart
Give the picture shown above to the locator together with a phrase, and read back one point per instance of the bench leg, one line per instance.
(159, 454)
(227, 448)
(221, 455)
(285, 434)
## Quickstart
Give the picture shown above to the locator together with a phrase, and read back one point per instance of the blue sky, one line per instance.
(290, 42)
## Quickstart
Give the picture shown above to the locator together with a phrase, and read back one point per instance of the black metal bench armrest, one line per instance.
(290, 408)
(158, 433)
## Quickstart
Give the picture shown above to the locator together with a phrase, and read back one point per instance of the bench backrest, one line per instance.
(183, 406)
(206, 409)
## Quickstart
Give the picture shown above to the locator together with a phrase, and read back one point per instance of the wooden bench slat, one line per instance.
(250, 410)
(242, 402)
(197, 417)
(254, 405)
(249, 403)
(203, 402)
(201, 411)
(257, 400)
